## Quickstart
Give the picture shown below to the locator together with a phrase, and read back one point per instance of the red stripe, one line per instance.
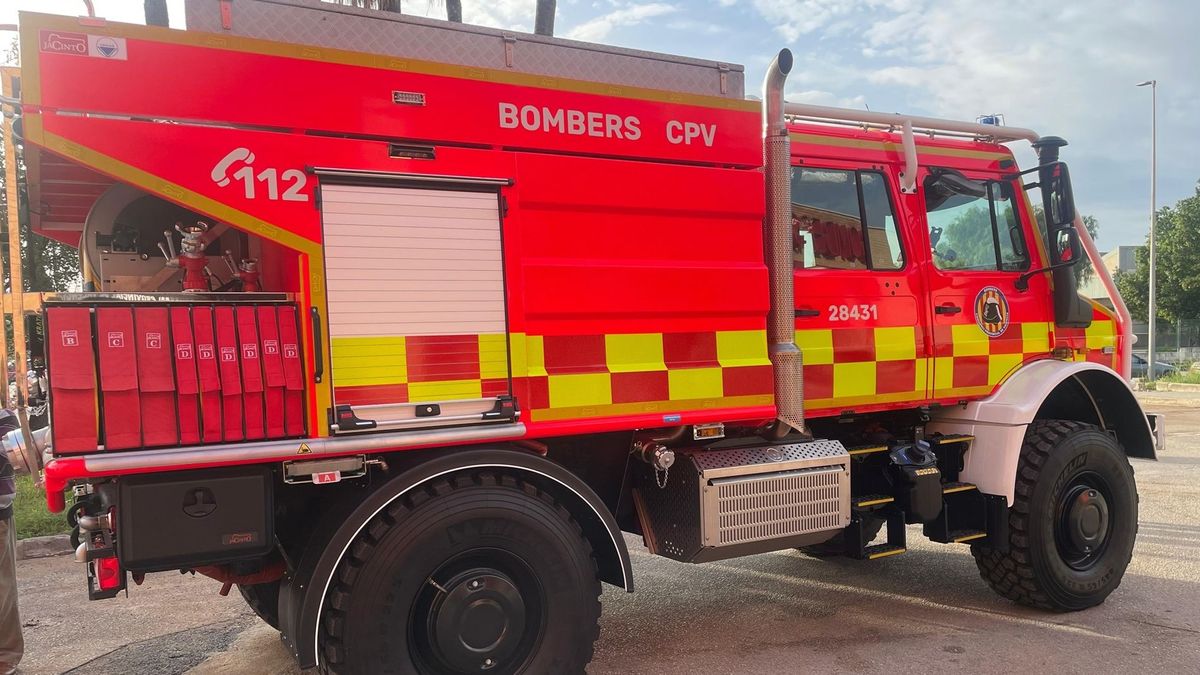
(690, 350)
(639, 387)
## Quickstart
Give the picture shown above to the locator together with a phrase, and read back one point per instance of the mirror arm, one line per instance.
(1022, 282)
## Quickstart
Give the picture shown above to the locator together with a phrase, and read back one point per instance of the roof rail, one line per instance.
(906, 124)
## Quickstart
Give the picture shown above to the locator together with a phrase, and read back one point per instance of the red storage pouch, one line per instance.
(187, 385)
(252, 374)
(208, 375)
(272, 363)
(156, 377)
(73, 418)
(293, 372)
(118, 378)
(231, 377)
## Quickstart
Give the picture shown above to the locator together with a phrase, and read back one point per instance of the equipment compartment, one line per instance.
(192, 518)
(119, 370)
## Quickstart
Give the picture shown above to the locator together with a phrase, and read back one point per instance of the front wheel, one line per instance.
(481, 573)
(1072, 524)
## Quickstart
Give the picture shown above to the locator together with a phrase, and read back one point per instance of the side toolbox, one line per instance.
(186, 519)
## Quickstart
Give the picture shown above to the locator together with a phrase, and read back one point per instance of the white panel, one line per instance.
(405, 261)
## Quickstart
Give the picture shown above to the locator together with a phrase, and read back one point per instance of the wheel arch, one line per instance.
(1046, 389)
(303, 592)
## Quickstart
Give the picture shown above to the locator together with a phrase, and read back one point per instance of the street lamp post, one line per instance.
(1151, 313)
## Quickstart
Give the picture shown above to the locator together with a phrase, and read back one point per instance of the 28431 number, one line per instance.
(862, 312)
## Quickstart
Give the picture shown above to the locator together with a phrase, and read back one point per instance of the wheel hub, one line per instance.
(478, 621)
(1087, 519)
(1083, 522)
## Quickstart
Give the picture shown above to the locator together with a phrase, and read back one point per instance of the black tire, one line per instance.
(264, 600)
(831, 548)
(1073, 523)
(477, 573)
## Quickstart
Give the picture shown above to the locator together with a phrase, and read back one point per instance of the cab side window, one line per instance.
(843, 220)
(975, 232)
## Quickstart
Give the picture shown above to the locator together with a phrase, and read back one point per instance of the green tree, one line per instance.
(1178, 250)
(156, 12)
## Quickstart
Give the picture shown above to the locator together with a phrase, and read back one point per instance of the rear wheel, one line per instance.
(1072, 524)
(479, 573)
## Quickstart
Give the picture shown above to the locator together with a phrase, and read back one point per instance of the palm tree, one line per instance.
(454, 11)
(543, 18)
(156, 12)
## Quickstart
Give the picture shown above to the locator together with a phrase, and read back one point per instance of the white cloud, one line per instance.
(1063, 68)
(598, 28)
(506, 14)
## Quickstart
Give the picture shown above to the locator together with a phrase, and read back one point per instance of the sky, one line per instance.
(1066, 68)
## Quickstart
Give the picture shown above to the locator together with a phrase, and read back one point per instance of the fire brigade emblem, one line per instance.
(991, 311)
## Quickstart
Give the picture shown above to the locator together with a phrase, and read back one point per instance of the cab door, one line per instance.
(859, 295)
(984, 327)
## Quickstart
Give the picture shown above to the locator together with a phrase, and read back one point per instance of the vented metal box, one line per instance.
(726, 503)
(404, 36)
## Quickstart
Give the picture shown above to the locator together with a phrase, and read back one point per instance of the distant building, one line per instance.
(1120, 259)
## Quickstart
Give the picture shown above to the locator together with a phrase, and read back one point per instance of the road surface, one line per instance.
(925, 611)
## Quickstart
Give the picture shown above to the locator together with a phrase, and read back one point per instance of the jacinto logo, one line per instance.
(64, 43)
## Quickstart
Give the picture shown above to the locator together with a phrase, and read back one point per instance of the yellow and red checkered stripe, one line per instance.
(583, 376)
(848, 367)
(586, 376)
(967, 362)
(401, 369)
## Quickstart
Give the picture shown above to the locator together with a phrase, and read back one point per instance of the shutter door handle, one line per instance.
(947, 309)
(807, 313)
(318, 346)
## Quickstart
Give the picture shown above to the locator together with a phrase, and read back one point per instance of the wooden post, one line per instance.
(11, 77)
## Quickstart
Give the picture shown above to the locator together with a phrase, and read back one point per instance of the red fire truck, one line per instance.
(492, 300)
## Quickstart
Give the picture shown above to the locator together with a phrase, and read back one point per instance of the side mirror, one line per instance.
(1068, 250)
(1057, 198)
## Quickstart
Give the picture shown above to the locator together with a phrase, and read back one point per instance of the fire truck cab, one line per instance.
(493, 300)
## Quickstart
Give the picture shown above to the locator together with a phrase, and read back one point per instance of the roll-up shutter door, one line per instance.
(415, 297)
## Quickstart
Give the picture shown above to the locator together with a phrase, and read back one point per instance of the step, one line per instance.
(882, 551)
(951, 488)
(866, 450)
(967, 536)
(872, 501)
(949, 439)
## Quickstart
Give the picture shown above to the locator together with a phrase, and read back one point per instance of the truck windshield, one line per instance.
(981, 233)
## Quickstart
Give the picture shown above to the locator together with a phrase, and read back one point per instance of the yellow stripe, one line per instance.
(867, 451)
(651, 407)
(742, 348)
(970, 537)
(634, 352)
(960, 488)
(873, 502)
(493, 356)
(32, 22)
(445, 390)
(884, 554)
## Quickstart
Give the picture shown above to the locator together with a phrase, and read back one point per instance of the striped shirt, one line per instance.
(8, 487)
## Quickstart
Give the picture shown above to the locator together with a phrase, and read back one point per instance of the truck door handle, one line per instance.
(318, 347)
(807, 313)
(947, 309)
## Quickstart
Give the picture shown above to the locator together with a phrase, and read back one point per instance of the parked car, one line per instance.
(1138, 367)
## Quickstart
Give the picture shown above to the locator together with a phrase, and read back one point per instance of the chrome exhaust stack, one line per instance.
(786, 360)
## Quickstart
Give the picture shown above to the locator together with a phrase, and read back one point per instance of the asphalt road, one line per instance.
(925, 611)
